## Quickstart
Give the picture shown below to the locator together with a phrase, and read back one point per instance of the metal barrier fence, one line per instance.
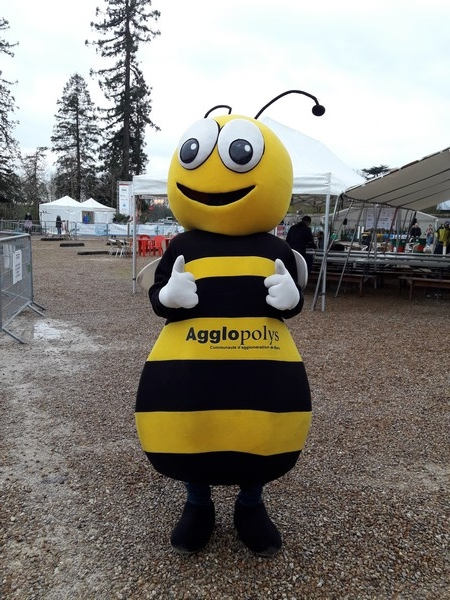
(16, 279)
(11, 226)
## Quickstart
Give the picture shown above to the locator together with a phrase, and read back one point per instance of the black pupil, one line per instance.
(241, 152)
(189, 150)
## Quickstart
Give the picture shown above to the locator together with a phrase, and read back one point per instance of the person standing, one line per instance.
(28, 223)
(300, 238)
(58, 224)
(415, 232)
(447, 237)
(429, 234)
(443, 239)
(320, 240)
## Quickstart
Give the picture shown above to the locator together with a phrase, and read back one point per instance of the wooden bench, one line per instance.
(388, 275)
(358, 279)
(422, 282)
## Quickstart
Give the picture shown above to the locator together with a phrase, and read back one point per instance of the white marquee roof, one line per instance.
(317, 171)
(416, 186)
(93, 205)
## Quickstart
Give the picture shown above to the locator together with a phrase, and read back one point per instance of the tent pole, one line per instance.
(133, 202)
(350, 248)
(326, 237)
(323, 268)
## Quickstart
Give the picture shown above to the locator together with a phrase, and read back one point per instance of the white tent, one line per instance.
(318, 174)
(97, 212)
(317, 171)
(444, 205)
(154, 184)
(66, 207)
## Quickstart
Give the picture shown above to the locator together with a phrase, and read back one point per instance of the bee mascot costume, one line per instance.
(224, 398)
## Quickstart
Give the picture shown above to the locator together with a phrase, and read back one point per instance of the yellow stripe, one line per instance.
(254, 432)
(229, 266)
(225, 339)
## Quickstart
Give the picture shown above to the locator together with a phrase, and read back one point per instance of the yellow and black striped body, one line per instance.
(224, 397)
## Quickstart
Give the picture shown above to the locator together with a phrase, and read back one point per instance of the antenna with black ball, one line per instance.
(317, 110)
(216, 107)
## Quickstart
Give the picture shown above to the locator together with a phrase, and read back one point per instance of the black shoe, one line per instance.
(193, 530)
(256, 530)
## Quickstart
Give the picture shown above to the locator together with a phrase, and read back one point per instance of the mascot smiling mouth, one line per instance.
(221, 199)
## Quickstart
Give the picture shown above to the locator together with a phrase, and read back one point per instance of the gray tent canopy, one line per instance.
(418, 185)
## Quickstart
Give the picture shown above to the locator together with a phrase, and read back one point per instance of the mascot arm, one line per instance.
(283, 292)
(180, 291)
(284, 286)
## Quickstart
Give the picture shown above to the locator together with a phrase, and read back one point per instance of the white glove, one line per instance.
(181, 290)
(283, 293)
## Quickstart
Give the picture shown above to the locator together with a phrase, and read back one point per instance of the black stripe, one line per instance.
(223, 468)
(221, 296)
(202, 244)
(233, 297)
(273, 386)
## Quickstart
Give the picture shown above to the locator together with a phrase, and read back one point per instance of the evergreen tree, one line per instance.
(124, 27)
(8, 145)
(375, 171)
(75, 141)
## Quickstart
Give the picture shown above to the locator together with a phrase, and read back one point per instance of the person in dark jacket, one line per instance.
(415, 232)
(300, 238)
(58, 224)
(28, 223)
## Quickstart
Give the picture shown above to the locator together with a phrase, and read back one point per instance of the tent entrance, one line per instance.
(88, 217)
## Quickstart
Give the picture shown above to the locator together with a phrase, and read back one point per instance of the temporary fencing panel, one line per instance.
(16, 279)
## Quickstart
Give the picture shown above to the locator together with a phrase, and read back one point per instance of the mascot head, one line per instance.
(231, 175)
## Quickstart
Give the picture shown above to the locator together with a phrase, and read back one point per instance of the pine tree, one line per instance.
(124, 27)
(375, 171)
(8, 145)
(75, 141)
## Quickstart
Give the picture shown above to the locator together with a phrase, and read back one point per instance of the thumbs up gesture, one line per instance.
(181, 290)
(282, 294)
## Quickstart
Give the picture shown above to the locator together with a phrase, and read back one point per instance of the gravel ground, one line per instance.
(365, 513)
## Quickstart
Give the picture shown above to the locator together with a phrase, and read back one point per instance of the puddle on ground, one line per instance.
(29, 328)
(45, 331)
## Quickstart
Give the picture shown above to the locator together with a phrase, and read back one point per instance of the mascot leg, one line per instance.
(195, 527)
(254, 526)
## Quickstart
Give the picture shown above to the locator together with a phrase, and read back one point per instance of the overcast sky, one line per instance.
(381, 69)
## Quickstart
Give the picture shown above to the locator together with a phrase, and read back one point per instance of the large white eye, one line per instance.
(240, 145)
(197, 143)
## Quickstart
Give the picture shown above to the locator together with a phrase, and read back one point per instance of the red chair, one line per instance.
(160, 244)
(151, 247)
(143, 245)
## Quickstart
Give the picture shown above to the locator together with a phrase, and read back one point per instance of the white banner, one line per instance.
(17, 266)
(384, 220)
(125, 204)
